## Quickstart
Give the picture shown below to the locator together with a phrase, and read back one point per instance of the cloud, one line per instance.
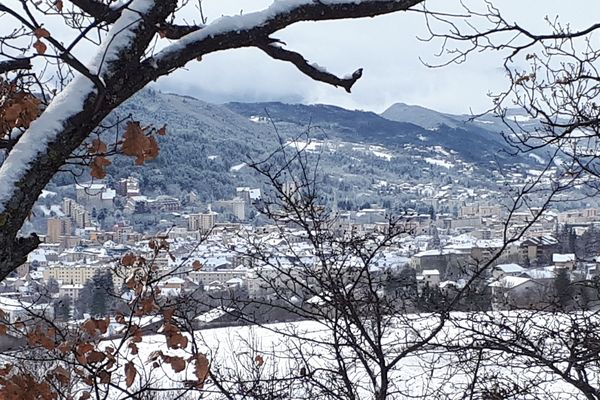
(386, 47)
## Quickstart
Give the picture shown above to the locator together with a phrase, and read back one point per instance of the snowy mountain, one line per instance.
(421, 116)
(431, 119)
(472, 143)
(364, 157)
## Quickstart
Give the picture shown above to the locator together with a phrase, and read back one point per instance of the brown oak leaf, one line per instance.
(40, 47)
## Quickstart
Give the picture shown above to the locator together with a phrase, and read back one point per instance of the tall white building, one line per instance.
(77, 212)
(202, 222)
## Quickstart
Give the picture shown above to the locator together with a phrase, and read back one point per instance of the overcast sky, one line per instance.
(386, 47)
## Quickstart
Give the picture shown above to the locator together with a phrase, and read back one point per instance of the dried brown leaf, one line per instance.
(97, 146)
(130, 373)
(202, 368)
(177, 363)
(259, 360)
(98, 167)
(40, 47)
(41, 33)
(128, 260)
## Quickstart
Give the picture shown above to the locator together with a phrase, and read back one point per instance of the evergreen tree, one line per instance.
(83, 302)
(96, 297)
(562, 235)
(435, 240)
(431, 299)
(52, 286)
(432, 213)
(103, 290)
(404, 283)
(572, 241)
(62, 308)
(563, 288)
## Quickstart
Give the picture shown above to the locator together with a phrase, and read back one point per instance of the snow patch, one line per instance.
(47, 193)
(55, 208)
(521, 118)
(440, 163)
(383, 155)
(537, 158)
(441, 150)
(238, 167)
(310, 146)
(257, 119)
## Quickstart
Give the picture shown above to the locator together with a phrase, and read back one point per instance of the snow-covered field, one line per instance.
(438, 162)
(315, 146)
(439, 370)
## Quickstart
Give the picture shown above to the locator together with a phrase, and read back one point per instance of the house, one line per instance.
(95, 195)
(17, 310)
(564, 260)
(544, 275)
(503, 270)
(204, 278)
(448, 261)
(71, 291)
(538, 250)
(510, 292)
(431, 277)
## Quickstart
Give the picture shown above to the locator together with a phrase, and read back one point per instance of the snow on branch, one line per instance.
(34, 143)
(12, 65)
(312, 70)
(42, 131)
(253, 29)
(121, 35)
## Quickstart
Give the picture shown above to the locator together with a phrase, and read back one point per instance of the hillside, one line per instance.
(364, 157)
(516, 118)
(471, 143)
(421, 116)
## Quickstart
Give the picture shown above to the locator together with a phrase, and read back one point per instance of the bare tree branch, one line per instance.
(310, 70)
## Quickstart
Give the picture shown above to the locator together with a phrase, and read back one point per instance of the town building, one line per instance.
(203, 222)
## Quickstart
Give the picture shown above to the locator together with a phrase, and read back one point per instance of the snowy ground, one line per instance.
(431, 372)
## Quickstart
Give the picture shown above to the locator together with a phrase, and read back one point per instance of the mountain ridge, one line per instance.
(208, 147)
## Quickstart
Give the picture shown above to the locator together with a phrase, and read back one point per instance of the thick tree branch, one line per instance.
(173, 31)
(18, 251)
(310, 70)
(246, 30)
(103, 13)
(12, 65)
(100, 11)
(7, 143)
(64, 127)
